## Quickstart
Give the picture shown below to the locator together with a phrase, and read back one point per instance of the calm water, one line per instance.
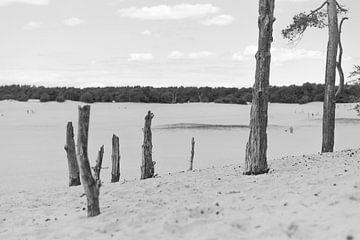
(32, 136)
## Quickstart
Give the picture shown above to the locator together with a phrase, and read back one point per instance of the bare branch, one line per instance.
(318, 9)
(338, 64)
(341, 8)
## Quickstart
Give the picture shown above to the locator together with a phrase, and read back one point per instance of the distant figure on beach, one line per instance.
(291, 129)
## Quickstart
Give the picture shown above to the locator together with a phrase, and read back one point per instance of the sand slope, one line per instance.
(306, 197)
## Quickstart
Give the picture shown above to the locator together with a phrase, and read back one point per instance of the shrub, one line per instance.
(87, 97)
(60, 98)
(44, 97)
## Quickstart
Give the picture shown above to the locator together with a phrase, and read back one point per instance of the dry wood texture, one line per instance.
(192, 154)
(98, 165)
(255, 158)
(115, 158)
(74, 176)
(329, 98)
(91, 187)
(147, 164)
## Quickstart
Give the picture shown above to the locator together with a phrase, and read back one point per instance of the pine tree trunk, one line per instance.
(192, 154)
(115, 157)
(74, 177)
(330, 75)
(147, 164)
(255, 158)
(91, 187)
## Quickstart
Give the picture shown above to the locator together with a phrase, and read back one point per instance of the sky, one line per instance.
(97, 43)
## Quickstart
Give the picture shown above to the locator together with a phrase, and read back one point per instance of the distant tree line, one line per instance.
(308, 92)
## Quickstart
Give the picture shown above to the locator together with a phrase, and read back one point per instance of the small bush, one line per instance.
(44, 97)
(60, 98)
(87, 97)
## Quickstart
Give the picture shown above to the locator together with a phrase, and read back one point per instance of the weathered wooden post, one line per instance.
(74, 177)
(91, 186)
(192, 154)
(115, 158)
(147, 165)
(256, 147)
(98, 165)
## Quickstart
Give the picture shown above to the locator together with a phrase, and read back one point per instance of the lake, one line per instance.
(32, 136)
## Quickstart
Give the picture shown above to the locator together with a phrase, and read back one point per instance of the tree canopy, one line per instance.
(308, 92)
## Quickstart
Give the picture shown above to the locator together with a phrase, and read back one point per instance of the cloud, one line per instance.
(192, 55)
(238, 57)
(280, 55)
(177, 55)
(32, 2)
(219, 20)
(141, 57)
(250, 50)
(166, 12)
(148, 32)
(32, 25)
(73, 22)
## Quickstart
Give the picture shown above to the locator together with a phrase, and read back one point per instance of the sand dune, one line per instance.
(303, 197)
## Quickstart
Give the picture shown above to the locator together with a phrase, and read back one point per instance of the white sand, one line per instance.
(306, 197)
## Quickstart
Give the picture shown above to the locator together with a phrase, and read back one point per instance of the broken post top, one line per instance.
(114, 137)
(83, 128)
(149, 116)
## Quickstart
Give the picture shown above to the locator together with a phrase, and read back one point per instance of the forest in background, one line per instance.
(308, 92)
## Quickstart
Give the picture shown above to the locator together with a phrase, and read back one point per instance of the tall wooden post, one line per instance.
(91, 187)
(192, 154)
(330, 75)
(74, 177)
(255, 158)
(147, 164)
(115, 158)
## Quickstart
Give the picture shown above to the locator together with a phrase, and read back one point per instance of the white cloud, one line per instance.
(32, 25)
(148, 32)
(33, 2)
(280, 55)
(250, 50)
(192, 55)
(177, 55)
(72, 22)
(141, 57)
(219, 20)
(238, 57)
(162, 12)
(202, 54)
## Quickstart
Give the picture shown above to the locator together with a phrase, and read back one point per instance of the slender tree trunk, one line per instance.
(255, 158)
(192, 154)
(115, 157)
(74, 177)
(330, 75)
(147, 164)
(91, 187)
